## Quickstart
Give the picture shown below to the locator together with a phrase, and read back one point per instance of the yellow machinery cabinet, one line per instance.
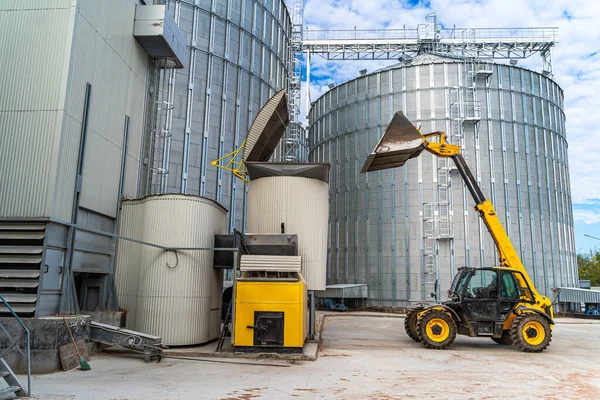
(270, 314)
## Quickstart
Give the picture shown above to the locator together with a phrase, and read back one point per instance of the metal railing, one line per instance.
(16, 342)
(541, 34)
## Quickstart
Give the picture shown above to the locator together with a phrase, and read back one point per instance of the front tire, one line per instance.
(410, 324)
(530, 332)
(436, 329)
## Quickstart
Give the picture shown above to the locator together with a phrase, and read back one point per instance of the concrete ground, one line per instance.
(361, 357)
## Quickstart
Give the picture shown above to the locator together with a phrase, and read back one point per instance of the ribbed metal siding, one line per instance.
(30, 102)
(238, 55)
(105, 32)
(41, 104)
(301, 204)
(128, 256)
(573, 295)
(177, 298)
(518, 152)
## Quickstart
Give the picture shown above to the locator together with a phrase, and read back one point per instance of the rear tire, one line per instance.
(530, 332)
(436, 329)
(410, 323)
(505, 340)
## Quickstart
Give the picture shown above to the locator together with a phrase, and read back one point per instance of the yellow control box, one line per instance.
(270, 313)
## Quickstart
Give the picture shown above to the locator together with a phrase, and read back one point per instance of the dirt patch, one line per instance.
(249, 395)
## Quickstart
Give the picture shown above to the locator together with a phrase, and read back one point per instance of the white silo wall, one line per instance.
(301, 204)
(176, 296)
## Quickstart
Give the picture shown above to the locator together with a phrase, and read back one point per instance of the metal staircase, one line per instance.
(10, 387)
(21, 249)
(293, 142)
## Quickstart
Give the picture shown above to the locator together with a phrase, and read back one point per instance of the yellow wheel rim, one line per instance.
(437, 330)
(534, 333)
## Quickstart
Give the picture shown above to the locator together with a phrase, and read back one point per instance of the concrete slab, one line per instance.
(361, 358)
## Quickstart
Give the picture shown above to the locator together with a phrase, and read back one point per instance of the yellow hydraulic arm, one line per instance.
(507, 254)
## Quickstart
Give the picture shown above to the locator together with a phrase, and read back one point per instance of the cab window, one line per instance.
(509, 287)
(483, 285)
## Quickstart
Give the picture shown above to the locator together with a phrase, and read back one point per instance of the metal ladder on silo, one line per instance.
(429, 251)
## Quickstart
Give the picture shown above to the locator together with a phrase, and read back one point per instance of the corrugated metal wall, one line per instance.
(106, 54)
(238, 54)
(173, 295)
(518, 151)
(41, 104)
(31, 102)
(301, 204)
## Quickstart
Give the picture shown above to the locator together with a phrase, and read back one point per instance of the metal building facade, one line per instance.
(401, 230)
(70, 66)
(238, 56)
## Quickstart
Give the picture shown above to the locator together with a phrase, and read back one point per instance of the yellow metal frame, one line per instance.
(237, 167)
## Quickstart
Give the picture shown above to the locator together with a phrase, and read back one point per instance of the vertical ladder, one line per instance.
(429, 249)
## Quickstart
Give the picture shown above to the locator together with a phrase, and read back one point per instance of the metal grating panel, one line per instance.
(271, 263)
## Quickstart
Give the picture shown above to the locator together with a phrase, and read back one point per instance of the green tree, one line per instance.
(589, 266)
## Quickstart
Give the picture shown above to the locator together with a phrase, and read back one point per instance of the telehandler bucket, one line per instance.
(400, 142)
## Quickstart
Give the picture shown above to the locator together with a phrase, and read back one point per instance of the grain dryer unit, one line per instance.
(271, 311)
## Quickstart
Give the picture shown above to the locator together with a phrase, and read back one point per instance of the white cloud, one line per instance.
(588, 217)
(576, 58)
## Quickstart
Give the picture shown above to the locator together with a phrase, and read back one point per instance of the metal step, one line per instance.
(21, 249)
(19, 273)
(10, 389)
(19, 259)
(19, 283)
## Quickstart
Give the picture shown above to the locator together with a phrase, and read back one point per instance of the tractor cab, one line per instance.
(485, 297)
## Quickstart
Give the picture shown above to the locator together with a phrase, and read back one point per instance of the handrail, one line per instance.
(15, 342)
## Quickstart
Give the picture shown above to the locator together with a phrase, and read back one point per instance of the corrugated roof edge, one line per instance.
(257, 170)
(190, 196)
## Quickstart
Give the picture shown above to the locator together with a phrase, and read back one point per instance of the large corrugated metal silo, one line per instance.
(237, 58)
(172, 294)
(402, 230)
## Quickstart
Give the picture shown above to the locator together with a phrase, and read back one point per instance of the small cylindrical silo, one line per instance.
(293, 198)
(178, 293)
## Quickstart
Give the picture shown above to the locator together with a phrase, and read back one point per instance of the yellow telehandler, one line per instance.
(499, 302)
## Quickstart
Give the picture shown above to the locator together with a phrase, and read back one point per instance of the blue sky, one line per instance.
(576, 67)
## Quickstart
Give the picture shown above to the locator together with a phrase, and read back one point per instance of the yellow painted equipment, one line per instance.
(270, 312)
(499, 302)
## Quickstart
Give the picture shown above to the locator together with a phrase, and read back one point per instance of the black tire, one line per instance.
(526, 330)
(436, 323)
(410, 323)
(505, 340)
